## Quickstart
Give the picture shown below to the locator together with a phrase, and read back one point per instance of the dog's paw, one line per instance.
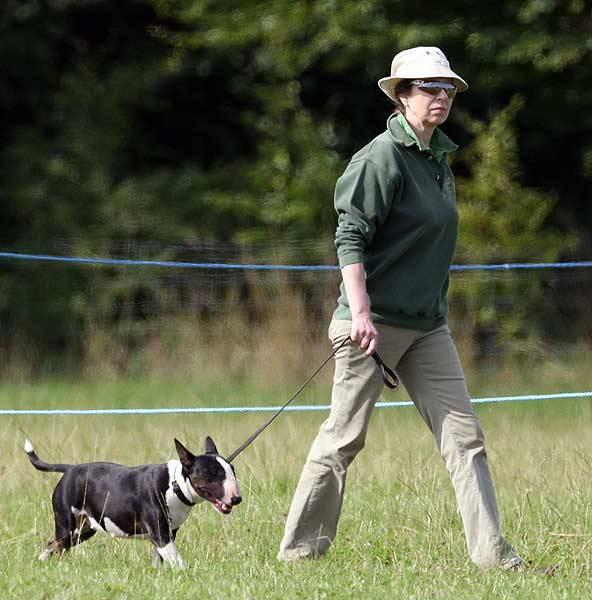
(44, 555)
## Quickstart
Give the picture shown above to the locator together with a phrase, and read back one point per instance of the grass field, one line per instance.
(399, 534)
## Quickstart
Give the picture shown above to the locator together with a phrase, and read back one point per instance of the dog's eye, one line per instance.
(209, 475)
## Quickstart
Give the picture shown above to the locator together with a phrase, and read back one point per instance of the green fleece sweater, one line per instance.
(397, 215)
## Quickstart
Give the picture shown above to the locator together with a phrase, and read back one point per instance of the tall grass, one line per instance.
(400, 533)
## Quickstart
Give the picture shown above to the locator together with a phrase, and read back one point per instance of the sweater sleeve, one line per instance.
(363, 199)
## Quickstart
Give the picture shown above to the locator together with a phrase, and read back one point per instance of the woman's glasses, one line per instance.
(433, 88)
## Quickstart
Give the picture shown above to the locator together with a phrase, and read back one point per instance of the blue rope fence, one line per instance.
(258, 409)
(256, 267)
(266, 267)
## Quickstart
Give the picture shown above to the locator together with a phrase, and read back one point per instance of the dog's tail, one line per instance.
(39, 464)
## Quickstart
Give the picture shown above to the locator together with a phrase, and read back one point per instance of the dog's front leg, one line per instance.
(156, 559)
(169, 554)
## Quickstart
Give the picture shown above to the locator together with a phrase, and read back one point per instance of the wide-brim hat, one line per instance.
(423, 62)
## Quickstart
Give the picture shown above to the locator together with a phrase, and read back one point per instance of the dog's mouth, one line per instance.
(214, 501)
(221, 506)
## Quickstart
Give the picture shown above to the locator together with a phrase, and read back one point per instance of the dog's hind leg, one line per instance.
(53, 546)
(71, 529)
(64, 531)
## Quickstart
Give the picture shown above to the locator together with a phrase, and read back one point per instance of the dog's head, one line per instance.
(211, 476)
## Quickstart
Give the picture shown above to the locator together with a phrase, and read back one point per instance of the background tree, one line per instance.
(157, 128)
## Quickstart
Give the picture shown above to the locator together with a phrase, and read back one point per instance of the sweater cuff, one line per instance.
(350, 257)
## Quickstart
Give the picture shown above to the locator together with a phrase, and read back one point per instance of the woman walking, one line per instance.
(395, 239)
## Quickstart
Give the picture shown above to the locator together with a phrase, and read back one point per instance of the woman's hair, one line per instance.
(402, 86)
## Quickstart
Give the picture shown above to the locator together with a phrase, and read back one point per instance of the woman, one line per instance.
(395, 239)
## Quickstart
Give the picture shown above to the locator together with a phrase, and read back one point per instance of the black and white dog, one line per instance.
(149, 500)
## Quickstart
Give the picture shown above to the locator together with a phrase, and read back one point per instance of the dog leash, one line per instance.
(389, 377)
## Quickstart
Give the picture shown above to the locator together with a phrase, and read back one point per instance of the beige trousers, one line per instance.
(428, 365)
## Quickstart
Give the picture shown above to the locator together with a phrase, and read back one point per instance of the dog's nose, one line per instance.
(235, 500)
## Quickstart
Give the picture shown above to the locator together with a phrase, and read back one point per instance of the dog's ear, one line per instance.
(185, 456)
(210, 446)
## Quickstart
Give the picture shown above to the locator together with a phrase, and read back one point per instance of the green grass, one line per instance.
(399, 535)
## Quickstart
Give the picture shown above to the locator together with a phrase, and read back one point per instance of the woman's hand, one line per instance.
(364, 333)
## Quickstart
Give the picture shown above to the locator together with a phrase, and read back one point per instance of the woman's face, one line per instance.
(428, 105)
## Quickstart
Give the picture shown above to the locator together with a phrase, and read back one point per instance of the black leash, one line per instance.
(389, 377)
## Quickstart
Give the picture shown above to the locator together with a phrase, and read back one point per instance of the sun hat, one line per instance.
(419, 63)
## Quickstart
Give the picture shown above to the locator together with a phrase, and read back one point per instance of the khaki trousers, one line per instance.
(428, 365)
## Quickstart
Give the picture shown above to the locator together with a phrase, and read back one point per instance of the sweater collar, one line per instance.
(403, 134)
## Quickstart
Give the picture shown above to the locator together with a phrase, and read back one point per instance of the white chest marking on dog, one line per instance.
(178, 512)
